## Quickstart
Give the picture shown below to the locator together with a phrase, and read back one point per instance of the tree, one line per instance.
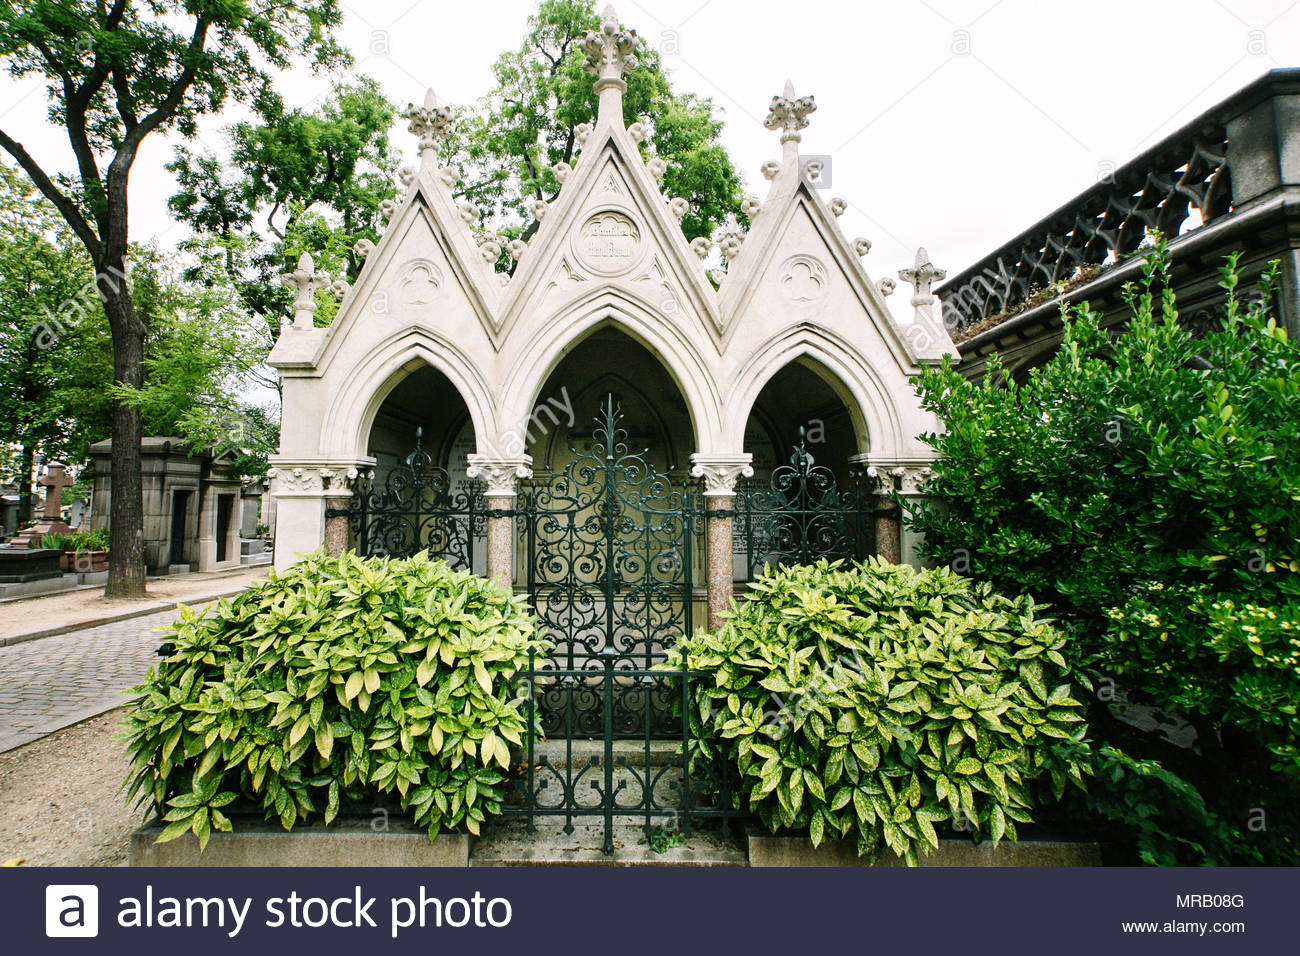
(296, 181)
(45, 278)
(507, 144)
(1147, 488)
(117, 71)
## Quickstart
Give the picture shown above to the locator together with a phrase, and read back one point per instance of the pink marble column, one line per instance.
(720, 473)
(718, 545)
(889, 543)
(336, 528)
(500, 477)
(500, 540)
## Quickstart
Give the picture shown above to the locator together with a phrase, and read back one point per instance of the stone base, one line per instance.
(177, 569)
(26, 589)
(772, 851)
(344, 843)
(31, 538)
(19, 565)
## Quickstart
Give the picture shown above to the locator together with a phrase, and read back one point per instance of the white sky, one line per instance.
(930, 145)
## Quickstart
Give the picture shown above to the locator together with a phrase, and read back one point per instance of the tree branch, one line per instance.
(67, 208)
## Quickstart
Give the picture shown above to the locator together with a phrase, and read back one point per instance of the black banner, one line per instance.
(658, 911)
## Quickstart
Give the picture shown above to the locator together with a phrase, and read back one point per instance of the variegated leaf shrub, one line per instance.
(341, 680)
(877, 703)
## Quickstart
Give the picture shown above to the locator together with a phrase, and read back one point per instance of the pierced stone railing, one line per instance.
(1186, 182)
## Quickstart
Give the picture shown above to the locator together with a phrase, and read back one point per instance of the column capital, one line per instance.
(906, 476)
(316, 478)
(500, 473)
(721, 472)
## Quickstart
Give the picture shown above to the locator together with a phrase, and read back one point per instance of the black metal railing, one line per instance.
(616, 777)
(417, 507)
(801, 515)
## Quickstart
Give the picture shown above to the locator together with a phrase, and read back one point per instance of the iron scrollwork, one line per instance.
(803, 515)
(418, 507)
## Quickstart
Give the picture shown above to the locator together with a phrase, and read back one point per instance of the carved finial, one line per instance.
(861, 246)
(921, 277)
(611, 52)
(304, 280)
(789, 114)
(730, 238)
(430, 122)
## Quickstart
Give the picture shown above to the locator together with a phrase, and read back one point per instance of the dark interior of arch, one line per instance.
(610, 362)
(426, 400)
(798, 397)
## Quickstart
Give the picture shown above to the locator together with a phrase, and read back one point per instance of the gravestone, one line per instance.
(53, 481)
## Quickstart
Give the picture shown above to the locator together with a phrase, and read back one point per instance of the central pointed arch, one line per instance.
(614, 310)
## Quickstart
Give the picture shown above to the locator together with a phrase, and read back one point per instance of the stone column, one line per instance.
(501, 476)
(720, 473)
(893, 542)
(301, 491)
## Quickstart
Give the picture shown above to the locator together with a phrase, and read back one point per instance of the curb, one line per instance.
(11, 639)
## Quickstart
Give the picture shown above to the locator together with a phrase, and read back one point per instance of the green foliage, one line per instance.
(661, 839)
(340, 680)
(297, 181)
(1147, 486)
(507, 144)
(78, 541)
(203, 355)
(876, 701)
(55, 352)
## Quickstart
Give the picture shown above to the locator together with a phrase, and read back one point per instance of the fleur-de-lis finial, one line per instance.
(305, 280)
(430, 122)
(611, 52)
(921, 277)
(789, 114)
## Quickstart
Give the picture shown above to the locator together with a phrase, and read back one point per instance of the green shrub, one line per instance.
(78, 541)
(875, 701)
(340, 680)
(1147, 487)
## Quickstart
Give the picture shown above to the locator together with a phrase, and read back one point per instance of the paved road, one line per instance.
(47, 684)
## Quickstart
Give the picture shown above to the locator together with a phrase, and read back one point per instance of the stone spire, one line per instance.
(430, 122)
(611, 52)
(304, 281)
(789, 114)
(921, 277)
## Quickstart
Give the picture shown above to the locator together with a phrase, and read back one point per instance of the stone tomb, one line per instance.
(192, 505)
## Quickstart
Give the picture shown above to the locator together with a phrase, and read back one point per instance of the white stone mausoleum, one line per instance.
(498, 374)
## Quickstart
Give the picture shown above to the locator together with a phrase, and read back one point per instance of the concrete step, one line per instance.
(510, 844)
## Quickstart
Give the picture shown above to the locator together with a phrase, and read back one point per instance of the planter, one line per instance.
(84, 562)
(769, 851)
(352, 842)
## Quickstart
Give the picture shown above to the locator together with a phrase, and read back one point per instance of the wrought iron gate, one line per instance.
(610, 549)
(803, 515)
(416, 507)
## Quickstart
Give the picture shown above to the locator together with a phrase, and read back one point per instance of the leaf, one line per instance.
(354, 684)
(324, 741)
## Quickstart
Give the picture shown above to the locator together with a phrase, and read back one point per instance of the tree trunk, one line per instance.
(126, 500)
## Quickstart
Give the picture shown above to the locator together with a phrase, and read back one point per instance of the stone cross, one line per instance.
(921, 277)
(305, 280)
(611, 52)
(54, 480)
(430, 122)
(789, 114)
